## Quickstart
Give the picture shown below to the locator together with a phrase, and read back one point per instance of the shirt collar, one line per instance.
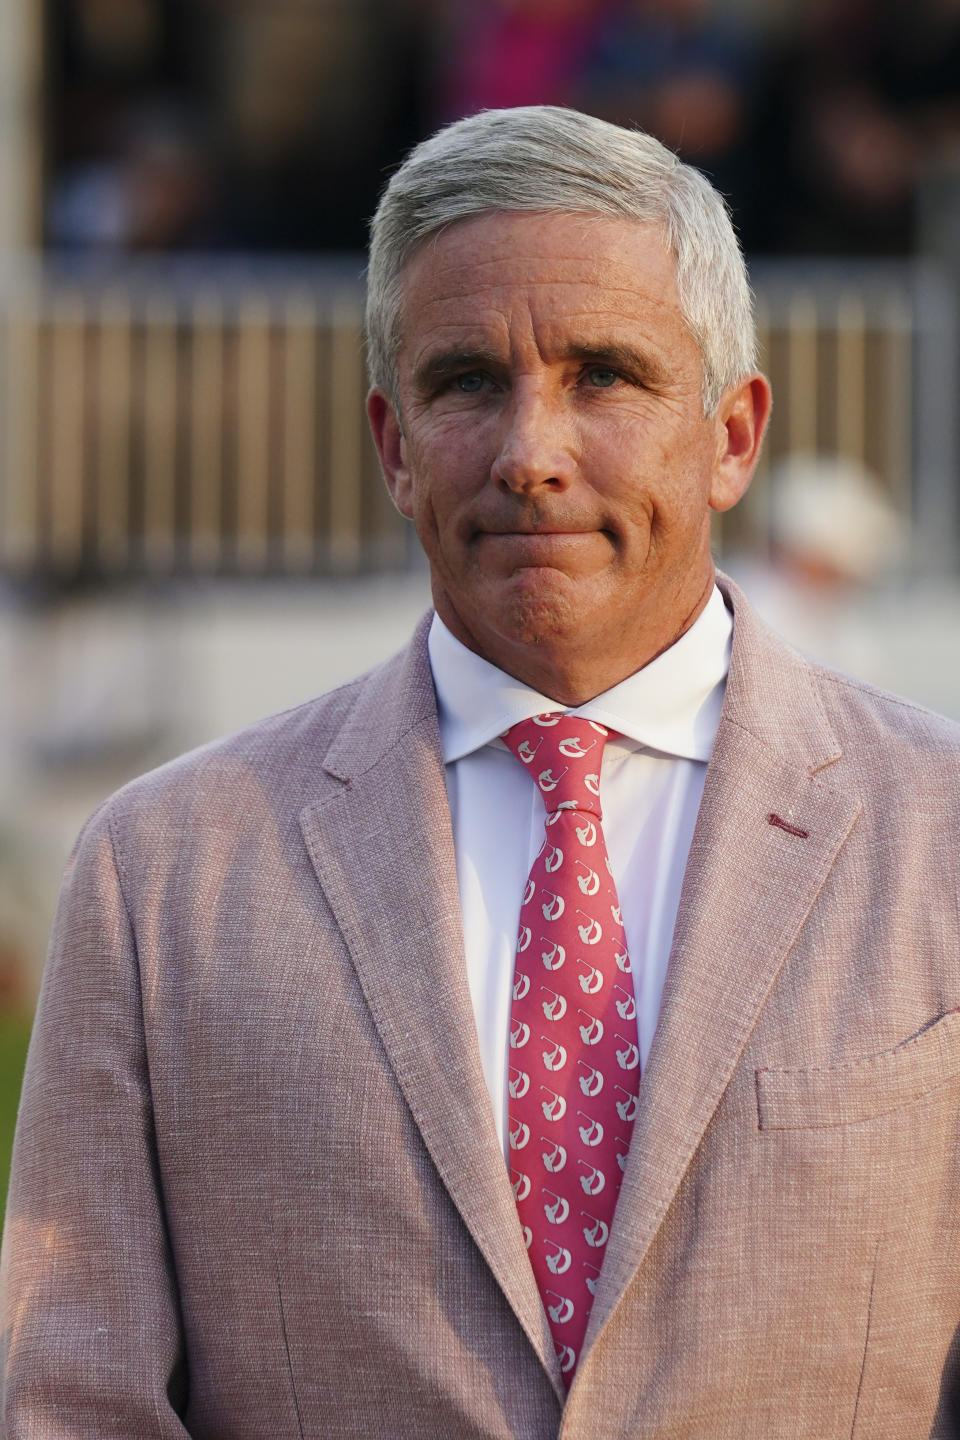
(672, 705)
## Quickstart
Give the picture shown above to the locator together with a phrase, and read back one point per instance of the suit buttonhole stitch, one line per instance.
(785, 825)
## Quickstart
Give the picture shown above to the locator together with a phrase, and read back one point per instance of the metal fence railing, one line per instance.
(863, 359)
(174, 428)
(180, 421)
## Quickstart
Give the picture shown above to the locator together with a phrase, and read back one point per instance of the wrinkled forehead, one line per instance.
(486, 230)
(536, 249)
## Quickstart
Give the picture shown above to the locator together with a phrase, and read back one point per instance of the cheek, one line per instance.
(446, 468)
(627, 447)
(436, 495)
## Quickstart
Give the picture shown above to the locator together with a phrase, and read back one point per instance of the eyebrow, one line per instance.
(636, 363)
(446, 363)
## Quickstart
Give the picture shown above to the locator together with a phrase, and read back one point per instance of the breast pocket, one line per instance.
(861, 1089)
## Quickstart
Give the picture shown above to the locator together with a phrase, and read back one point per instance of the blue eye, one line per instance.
(602, 378)
(471, 383)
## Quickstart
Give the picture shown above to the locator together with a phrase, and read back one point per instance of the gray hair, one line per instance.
(545, 158)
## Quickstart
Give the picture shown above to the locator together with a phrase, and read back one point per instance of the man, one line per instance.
(316, 1084)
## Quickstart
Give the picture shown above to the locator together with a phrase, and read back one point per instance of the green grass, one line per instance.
(14, 1034)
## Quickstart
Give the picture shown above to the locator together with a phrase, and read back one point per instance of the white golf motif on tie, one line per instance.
(573, 1094)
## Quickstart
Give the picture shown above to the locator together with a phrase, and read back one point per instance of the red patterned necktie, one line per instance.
(574, 1066)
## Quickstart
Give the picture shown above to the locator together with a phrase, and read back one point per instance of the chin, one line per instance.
(540, 619)
(531, 608)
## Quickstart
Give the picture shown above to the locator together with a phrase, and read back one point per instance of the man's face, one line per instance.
(553, 452)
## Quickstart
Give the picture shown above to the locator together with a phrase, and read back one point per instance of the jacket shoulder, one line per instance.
(866, 717)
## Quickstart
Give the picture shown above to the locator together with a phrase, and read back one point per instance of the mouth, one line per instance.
(551, 549)
(534, 538)
(537, 532)
(543, 534)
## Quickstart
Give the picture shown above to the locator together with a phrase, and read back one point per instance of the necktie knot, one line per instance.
(563, 754)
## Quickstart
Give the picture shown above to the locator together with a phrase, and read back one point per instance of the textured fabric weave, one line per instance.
(257, 975)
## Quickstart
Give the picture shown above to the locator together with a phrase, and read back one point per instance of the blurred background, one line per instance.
(193, 531)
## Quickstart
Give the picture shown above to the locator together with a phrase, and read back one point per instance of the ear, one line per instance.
(392, 449)
(741, 420)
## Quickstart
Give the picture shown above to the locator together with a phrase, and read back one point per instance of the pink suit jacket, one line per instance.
(257, 1189)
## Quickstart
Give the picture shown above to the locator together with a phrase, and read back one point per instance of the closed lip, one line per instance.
(538, 534)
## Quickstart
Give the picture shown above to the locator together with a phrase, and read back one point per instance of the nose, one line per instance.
(535, 446)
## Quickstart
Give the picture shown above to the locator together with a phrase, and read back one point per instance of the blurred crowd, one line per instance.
(271, 124)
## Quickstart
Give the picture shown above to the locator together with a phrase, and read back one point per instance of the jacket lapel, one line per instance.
(382, 848)
(748, 887)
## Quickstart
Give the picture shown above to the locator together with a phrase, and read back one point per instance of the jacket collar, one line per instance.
(749, 885)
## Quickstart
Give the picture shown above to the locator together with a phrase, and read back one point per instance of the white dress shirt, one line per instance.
(650, 789)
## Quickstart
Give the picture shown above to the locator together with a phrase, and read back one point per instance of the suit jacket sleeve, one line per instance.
(92, 1344)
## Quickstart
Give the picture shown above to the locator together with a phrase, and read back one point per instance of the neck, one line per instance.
(571, 672)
